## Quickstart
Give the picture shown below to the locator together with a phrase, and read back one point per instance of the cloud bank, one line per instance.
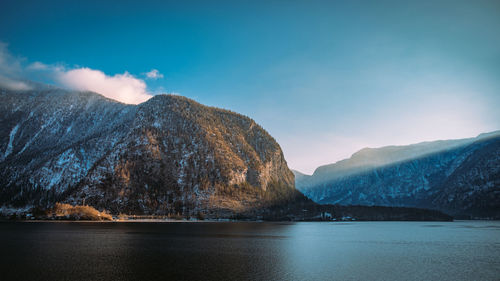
(121, 87)
(124, 87)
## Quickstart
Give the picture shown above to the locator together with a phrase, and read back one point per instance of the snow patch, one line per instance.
(11, 140)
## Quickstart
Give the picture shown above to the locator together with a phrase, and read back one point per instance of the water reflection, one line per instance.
(250, 251)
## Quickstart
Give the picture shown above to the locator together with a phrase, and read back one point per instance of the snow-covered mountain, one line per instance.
(167, 155)
(460, 177)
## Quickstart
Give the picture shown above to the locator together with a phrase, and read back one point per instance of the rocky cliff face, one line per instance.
(167, 155)
(461, 178)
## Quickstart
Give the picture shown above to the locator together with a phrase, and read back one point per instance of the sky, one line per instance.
(324, 78)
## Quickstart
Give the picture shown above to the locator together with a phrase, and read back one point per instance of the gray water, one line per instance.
(462, 250)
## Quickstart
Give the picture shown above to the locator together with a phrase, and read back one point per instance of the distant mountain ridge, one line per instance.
(425, 175)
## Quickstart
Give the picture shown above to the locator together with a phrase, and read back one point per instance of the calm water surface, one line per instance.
(461, 250)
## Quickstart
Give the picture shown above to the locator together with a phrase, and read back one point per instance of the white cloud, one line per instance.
(121, 87)
(11, 70)
(38, 66)
(154, 74)
(9, 65)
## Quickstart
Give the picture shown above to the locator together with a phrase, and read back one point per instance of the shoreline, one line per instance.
(228, 221)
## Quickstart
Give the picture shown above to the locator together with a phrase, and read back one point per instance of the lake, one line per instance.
(461, 250)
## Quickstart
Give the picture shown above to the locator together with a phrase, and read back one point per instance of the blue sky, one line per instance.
(325, 78)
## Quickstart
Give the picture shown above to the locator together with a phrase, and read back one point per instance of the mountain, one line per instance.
(169, 155)
(370, 158)
(459, 177)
